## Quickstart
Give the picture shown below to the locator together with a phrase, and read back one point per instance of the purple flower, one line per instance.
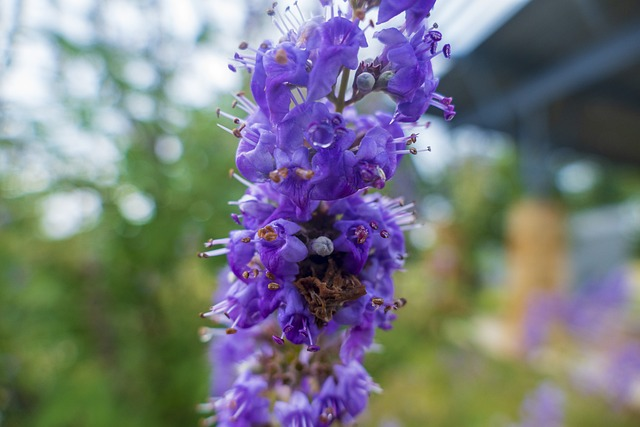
(243, 404)
(254, 157)
(296, 412)
(292, 178)
(337, 42)
(623, 373)
(285, 67)
(354, 385)
(279, 249)
(411, 81)
(543, 407)
(416, 10)
(297, 324)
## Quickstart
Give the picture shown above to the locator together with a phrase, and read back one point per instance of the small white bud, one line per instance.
(322, 246)
(365, 82)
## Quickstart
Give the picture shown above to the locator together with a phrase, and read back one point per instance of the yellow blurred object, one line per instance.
(537, 260)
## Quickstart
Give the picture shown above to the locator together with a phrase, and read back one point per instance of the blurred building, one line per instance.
(563, 79)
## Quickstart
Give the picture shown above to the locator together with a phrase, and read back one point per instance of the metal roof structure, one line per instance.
(557, 74)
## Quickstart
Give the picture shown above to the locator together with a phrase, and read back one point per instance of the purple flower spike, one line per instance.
(310, 276)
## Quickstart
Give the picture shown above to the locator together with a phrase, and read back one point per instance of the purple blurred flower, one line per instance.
(544, 407)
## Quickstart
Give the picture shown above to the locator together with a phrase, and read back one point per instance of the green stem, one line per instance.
(340, 103)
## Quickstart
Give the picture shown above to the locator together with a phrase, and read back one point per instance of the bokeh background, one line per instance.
(523, 284)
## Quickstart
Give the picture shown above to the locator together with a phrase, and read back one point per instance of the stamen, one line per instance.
(216, 252)
(278, 175)
(295, 3)
(412, 151)
(206, 333)
(401, 208)
(267, 233)
(237, 132)
(240, 179)
(278, 340)
(305, 174)
(220, 112)
(245, 104)
(287, 12)
(232, 329)
(226, 129)
(446, 50)
(212, 242)
(361, 234)
(312, 347)
(377, 302)
(384, 234)
(273, 286)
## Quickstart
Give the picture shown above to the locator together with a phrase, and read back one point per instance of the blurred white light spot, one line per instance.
(228, 15)
(180, 19)
(135, 206)
(82, 78)
(126, 25)
(141, 107)
(111, 121)
(65, 214)
(28, 81)
(168, 149)
(577, 177)
(200, 79)
(140, 74)
(74, 24)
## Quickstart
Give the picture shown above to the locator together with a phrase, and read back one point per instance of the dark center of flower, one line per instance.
(322, 280)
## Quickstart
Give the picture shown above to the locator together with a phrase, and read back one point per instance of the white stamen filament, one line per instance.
(213, 242)
(241, 179)
(215, 252)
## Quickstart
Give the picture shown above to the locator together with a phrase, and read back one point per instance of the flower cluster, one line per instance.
(309, 277)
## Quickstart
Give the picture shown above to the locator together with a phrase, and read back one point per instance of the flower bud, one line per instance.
(365, 82)
(383, 80)
(322, 246)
